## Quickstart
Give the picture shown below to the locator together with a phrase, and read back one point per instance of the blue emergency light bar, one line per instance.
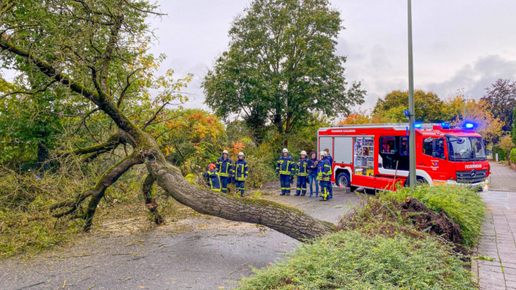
(445, 125)
(469, 125)
(417, 125)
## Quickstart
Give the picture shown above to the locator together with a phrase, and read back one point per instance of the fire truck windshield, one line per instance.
(466, 148)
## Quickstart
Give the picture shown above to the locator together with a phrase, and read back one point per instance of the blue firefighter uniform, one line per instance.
(312, 176)
(285, 169)
(302, 175)
(241, 173)
(213, 179)
(225, 170)
(330, 159)
(324, 175)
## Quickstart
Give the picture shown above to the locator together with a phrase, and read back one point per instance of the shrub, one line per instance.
(502, 155)
(351, 260)
(506, 143)
(513, 155)
(462, 205)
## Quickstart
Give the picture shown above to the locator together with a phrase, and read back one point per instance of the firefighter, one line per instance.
(213, 177)
(330, 159)
(225, 170)
(312, 174)
(285, 168)
(323, 175)
(241, 173)
(302, 174)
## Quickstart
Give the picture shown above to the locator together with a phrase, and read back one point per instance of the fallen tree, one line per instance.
(97, 50)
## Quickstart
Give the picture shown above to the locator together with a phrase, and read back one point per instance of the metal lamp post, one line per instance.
(412, 112)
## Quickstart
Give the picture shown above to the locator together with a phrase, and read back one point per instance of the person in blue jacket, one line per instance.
(225, 170)
(302, 174)
(241, 173)
(285, 169)
(330, 159)
(324, 175)
(213, 177)
(312, 174)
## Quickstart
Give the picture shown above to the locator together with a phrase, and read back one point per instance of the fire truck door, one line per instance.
(364, 162)
(433, 159)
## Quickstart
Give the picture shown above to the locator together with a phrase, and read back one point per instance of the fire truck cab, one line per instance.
(376, 156)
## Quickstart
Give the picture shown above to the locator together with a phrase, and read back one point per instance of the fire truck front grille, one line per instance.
(471, 176)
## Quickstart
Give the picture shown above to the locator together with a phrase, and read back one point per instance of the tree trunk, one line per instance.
(289, 221)
(150, 203)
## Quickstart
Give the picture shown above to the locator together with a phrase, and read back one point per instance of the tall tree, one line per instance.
(282, 65)
(428, 106)
(97, 51)
(501, 101)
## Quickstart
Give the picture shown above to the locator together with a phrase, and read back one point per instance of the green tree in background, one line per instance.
(392, 107)
(501, 101)
(281, 66)
(31, 116)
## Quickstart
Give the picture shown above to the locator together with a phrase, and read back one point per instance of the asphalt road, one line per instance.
(205, 259)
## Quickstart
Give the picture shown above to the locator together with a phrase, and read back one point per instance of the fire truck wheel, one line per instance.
(419, 180)
(343, 179)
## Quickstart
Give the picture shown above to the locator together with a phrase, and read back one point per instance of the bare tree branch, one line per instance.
(155, 116)
(101, 99)
(97, 192)
(29, 93)
(127, 86)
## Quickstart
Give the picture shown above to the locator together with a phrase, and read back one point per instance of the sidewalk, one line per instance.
(499, 234)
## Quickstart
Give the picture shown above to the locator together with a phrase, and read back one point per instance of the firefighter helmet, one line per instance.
(285, 150)
(303, 152)
(225, 152)
(212, 166)
(241, 154)
(323, 153)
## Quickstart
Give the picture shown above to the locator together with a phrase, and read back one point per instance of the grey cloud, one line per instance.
(475, 78)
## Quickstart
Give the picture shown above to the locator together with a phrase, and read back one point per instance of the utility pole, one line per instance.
(412, 111)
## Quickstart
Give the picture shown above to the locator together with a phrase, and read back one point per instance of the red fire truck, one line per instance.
(376, 156)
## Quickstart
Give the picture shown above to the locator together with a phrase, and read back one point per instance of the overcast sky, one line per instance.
(458, 44)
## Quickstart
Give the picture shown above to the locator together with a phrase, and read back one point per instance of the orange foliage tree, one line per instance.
(189, 136)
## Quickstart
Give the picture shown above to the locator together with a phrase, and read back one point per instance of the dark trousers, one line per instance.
(285, 184)
(313, 180)
(325, 190)
(224, 183)
(301, 185)
(240, 187)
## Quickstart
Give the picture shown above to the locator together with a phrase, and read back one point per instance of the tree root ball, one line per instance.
(426, 220)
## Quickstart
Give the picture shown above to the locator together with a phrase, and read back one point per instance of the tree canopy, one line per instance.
(281, 65)
(393, 105)
(501, 101)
